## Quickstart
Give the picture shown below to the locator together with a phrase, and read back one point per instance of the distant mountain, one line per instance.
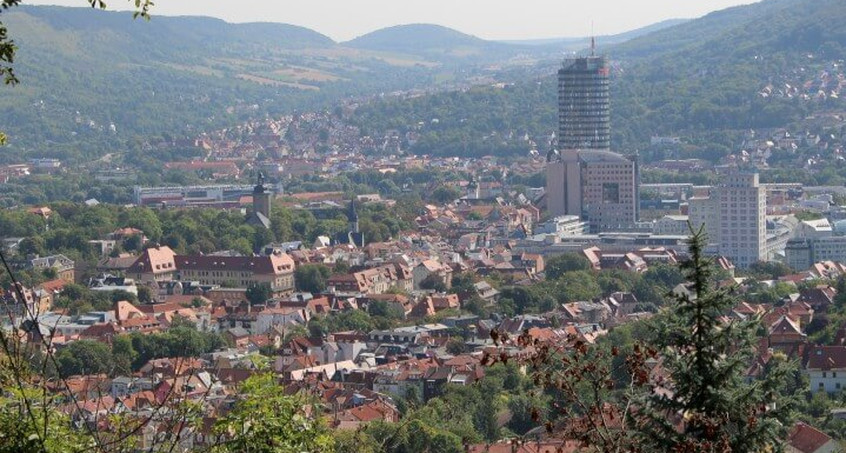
(97, 82)
(91, 79)
(705, 29)
(429, 40)
(728, 70)
(575, 43)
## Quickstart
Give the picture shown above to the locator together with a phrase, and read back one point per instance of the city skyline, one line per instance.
(498, 20)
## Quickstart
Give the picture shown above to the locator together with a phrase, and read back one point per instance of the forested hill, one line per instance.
(167, 34)
(91, 80)
(446, 45)
(579, 43)
(433, 41)
(94, 82)
(697, 32)
(702, 79)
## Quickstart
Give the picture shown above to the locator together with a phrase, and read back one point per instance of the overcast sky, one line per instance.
(489, 19)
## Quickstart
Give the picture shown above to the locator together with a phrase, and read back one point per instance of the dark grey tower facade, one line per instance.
(584, 120)
(261, 204)
(261, 197)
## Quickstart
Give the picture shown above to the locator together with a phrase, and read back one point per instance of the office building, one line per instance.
(584, 120)
(734, 215)
(585, 178)
(743, 219)
(814, 241)
(703, 212)
(598, 186)
(220, 196)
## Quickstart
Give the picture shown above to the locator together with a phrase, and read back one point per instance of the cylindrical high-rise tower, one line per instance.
(583, 104)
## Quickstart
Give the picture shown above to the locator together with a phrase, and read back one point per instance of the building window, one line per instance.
(824, 374)
(610, 193)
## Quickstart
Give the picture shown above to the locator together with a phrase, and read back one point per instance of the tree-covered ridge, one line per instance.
(92, 81)
(432, 41)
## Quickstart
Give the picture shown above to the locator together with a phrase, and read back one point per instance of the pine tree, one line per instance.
(710, 406)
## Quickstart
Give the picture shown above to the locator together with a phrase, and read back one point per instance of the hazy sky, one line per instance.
(489, 19)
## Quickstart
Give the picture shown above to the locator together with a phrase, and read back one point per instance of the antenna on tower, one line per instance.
(592, 41)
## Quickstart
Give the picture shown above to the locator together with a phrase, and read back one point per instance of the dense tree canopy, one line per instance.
(557, 265)
(312, 278)
(266, 420)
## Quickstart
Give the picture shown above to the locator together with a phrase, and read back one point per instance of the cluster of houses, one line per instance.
(357, 375)
(433, 343)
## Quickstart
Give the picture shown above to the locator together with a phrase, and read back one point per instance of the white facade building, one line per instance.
(826, 368)
(735, 218)
(743, 219)
(703, 210)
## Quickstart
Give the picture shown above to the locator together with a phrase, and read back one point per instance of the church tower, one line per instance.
(261, 197)
(261, 204)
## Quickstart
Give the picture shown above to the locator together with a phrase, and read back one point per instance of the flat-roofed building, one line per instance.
(599, 186)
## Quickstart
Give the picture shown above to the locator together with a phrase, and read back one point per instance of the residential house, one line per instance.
(375, 280)
(422, 309)
(35, 301)
(398, 302)
(155, 264)
(804, 438)
(487, 292)
(357, 417)
(785, 335)
(826, 368)
(117, 264)
(819, 298)
(631, 262)
(532, 261)
(620, 303)
(282, 316)
(444, 301)
(427, 268)
(63, 266)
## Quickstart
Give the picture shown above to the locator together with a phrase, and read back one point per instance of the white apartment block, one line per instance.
(703, 210)
(735, 218)
(743, 219)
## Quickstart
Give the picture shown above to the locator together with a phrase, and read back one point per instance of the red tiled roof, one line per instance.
(154, 260)
(278, 263)
(54, 285)
(826, 358)
(785, 326)
(806, 438)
